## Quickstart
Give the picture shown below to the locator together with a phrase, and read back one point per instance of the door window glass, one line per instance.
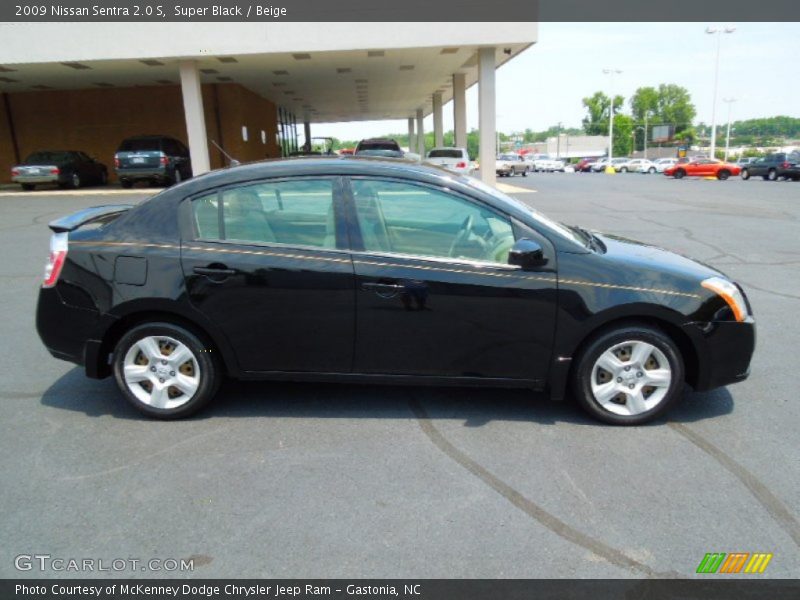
(408, 219)
(296, 213)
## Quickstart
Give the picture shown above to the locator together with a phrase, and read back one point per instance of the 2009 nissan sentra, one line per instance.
(361, 270)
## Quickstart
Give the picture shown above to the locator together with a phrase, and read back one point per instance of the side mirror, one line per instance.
(527, 254)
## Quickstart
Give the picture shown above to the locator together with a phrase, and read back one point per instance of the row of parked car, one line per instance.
(778, 165)
(153, 158)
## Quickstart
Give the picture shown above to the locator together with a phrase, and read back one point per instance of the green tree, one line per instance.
(669, 104)
(623, 140)
(596, 120)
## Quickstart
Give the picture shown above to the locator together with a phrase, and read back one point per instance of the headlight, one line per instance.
(730, 293)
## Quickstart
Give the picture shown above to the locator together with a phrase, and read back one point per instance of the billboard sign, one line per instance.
(662, 133)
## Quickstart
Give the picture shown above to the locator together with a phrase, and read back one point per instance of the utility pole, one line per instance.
(729, 102)
(558, 141)
(718, 32)
(611, 72)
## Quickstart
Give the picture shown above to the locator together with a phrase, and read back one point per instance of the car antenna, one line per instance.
(233, 162)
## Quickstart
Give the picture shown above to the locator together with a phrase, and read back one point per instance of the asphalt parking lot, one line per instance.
(312, 480)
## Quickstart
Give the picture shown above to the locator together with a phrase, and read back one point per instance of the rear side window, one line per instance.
(294, 213)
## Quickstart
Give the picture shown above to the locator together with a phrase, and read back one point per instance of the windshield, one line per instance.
(445, 153)
(554, 226)
(385, 152)
(378, 145)
(140, 145)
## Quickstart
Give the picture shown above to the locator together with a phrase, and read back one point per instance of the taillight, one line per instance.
(116, 162)
(55, 171)
(461, 165)
(55, 262)
(165, 160)
(15, 171)
(785, 165)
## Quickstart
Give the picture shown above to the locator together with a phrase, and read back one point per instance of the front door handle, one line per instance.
(382, 287)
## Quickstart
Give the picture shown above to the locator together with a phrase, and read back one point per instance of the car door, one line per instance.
(435, 293)
(267, 263)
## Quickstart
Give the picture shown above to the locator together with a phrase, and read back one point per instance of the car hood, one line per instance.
(652, 258)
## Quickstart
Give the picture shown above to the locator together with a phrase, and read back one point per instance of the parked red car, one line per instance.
(584, 165)
(703, 167)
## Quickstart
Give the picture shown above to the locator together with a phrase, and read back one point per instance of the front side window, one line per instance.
(295, 213)
(402, 218)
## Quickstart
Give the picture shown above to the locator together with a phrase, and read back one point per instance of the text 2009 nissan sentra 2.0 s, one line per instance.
(377, 270)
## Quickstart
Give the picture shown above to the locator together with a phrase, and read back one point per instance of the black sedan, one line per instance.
(365, 270)
(66, 168)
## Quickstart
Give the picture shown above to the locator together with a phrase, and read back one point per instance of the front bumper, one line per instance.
(724, 351)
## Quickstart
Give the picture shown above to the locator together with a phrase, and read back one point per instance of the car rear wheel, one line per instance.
(165, 371)
(629, 375)
(28, 187)
(623, 170)
(723, 174)
(126, 183)
(176, 176)
(772, 175)
(745, 174)
(651, 170)
(510, 173)
(104, 178)
(680, 174)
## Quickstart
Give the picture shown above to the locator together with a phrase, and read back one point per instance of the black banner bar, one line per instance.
(397, 10)
(743, 587)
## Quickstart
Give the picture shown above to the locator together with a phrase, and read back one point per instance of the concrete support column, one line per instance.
(487, 117)
(195, 117)
(412, 139)
(438, 123)
(307, 134)
(460, 109)
(420, 134)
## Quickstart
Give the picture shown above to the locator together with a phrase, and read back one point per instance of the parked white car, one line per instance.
(664, 163)
(452, 159)
(641, 165)
(599, 166)
(547, 164)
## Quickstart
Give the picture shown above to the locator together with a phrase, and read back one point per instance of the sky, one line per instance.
(545, 84)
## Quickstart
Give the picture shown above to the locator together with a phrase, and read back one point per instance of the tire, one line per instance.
(126, 183)
(680, 174)
(75, 181)
(723, 174)
(619, 403)
(144, 353)
(525, 173)
(651, 170)
(745, 174)
(104, 178)
(176, 177)
(771, 175)
(623, 170)
(28, 187)
(510, 173)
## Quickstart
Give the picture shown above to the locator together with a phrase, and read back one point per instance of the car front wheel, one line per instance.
(629, 375)
(165, 371)
(745, 174)
(679, 174)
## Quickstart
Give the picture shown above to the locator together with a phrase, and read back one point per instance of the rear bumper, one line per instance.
(65, 330)
(724, 350)
(36, 179)
(135, 174)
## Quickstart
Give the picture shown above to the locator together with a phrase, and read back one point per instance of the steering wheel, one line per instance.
(462, 235)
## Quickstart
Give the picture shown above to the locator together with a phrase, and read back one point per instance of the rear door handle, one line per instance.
(218, 271)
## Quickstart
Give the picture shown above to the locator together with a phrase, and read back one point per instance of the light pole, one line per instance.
(611, 72)
(558, 142)
(729, 102)
(718, 31)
